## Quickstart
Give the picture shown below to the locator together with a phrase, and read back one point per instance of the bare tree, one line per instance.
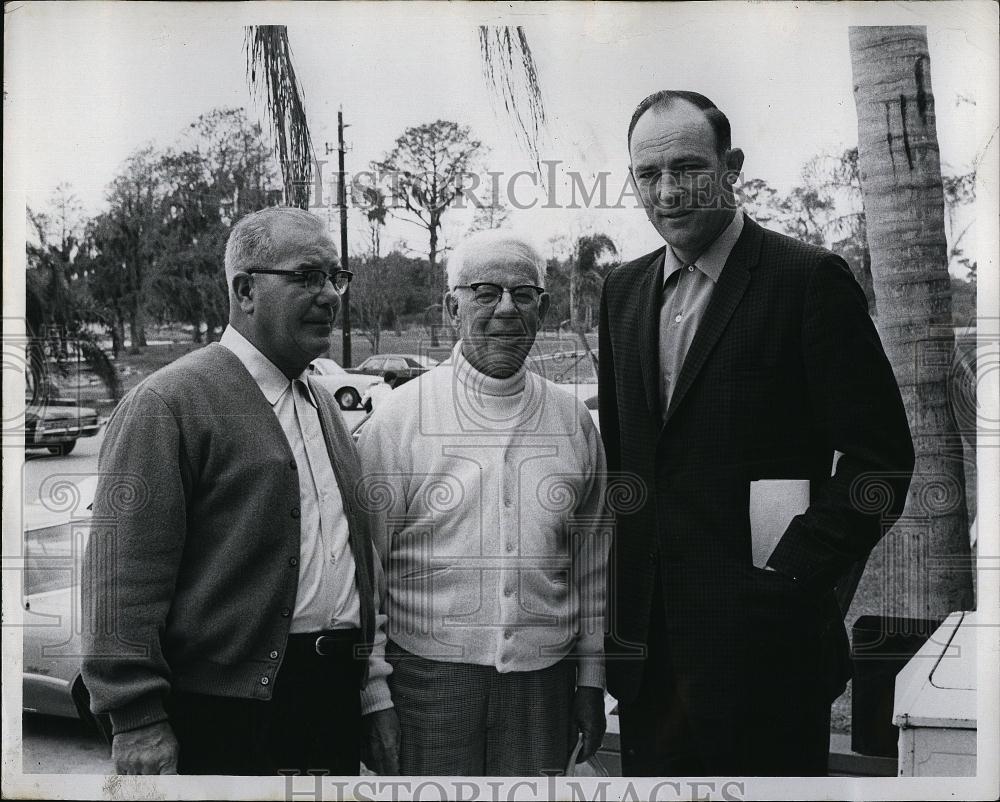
(426, 169)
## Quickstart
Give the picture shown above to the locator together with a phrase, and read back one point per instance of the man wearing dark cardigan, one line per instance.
(230, 587)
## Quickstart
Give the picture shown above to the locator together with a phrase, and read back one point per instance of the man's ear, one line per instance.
(451, 304)
(243, 290)
(544, 301)
(734, 164)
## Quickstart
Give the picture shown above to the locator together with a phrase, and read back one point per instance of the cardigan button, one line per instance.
(295, 513)
(293, 466)
(293, 562)
(265, 681)
(285, 612)
(274, 654)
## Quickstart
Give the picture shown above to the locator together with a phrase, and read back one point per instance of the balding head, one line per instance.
(666, 98)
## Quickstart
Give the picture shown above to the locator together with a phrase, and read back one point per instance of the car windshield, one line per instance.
(572, 367)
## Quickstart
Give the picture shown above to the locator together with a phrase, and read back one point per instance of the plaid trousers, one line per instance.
(460, 719)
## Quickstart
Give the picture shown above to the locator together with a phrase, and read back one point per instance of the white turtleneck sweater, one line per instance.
(496, 542)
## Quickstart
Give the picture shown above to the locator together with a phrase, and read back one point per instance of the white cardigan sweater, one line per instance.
(496, 541)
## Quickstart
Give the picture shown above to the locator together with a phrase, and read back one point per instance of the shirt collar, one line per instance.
(715, 255)
(272, 382)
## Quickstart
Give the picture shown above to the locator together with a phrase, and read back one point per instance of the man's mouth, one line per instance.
(676, 214)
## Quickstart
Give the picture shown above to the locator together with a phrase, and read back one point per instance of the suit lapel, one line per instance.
(649, 293)
(725, 298)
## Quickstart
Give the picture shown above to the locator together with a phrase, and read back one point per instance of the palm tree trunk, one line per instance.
(922, 569)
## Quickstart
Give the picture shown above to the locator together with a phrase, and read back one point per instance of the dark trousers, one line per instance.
(780, 731)
(311, 723)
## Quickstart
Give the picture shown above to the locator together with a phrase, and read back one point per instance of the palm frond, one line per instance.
(270, 72)
(510, 73)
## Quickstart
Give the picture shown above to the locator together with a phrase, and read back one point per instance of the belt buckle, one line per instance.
(319, 646)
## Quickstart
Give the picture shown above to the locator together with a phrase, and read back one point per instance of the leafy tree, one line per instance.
(127, 240)
(107, 282)
(59, 313)
(959, 193)
(223, 175)
(375, 288)
(825, 210)
(587, 272)
(375, 295)
(375, 213)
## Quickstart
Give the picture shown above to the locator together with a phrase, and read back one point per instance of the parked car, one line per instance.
(54, 539)
(405, 366)
(57, 423)
(573, 371)
(347, 387)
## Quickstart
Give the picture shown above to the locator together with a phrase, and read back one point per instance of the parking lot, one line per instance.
(62, 746)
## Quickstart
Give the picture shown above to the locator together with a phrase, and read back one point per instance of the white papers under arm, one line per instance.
(773, 504)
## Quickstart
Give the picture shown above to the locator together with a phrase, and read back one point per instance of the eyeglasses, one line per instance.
(488, 295)
(314, 280)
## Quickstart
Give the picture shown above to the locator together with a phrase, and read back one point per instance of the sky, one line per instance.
(88, 83)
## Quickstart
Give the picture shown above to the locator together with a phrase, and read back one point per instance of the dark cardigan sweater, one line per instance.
(190, 574)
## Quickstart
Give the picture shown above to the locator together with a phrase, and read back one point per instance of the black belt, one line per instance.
(328, 643)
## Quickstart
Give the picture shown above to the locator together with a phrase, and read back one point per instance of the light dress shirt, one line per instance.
(327, 596)
(687, 290)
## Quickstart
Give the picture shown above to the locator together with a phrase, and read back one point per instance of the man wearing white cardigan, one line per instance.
(492, 481)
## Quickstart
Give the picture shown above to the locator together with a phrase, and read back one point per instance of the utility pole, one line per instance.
(345, 314)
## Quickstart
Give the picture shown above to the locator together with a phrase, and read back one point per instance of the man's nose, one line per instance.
(668, 190)
(328, 296)
(506, 305)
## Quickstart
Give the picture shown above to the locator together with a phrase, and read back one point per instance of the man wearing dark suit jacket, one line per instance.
(731, 361)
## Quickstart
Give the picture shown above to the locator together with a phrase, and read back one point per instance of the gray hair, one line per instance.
(478, 247)
(250, 243)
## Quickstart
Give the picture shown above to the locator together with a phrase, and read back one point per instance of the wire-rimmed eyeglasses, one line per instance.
(313, 280)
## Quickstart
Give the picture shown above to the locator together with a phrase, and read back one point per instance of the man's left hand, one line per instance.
(588, 713)
(380, 747)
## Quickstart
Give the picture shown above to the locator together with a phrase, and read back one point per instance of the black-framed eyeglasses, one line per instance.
(488, 295)
(313, 280)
